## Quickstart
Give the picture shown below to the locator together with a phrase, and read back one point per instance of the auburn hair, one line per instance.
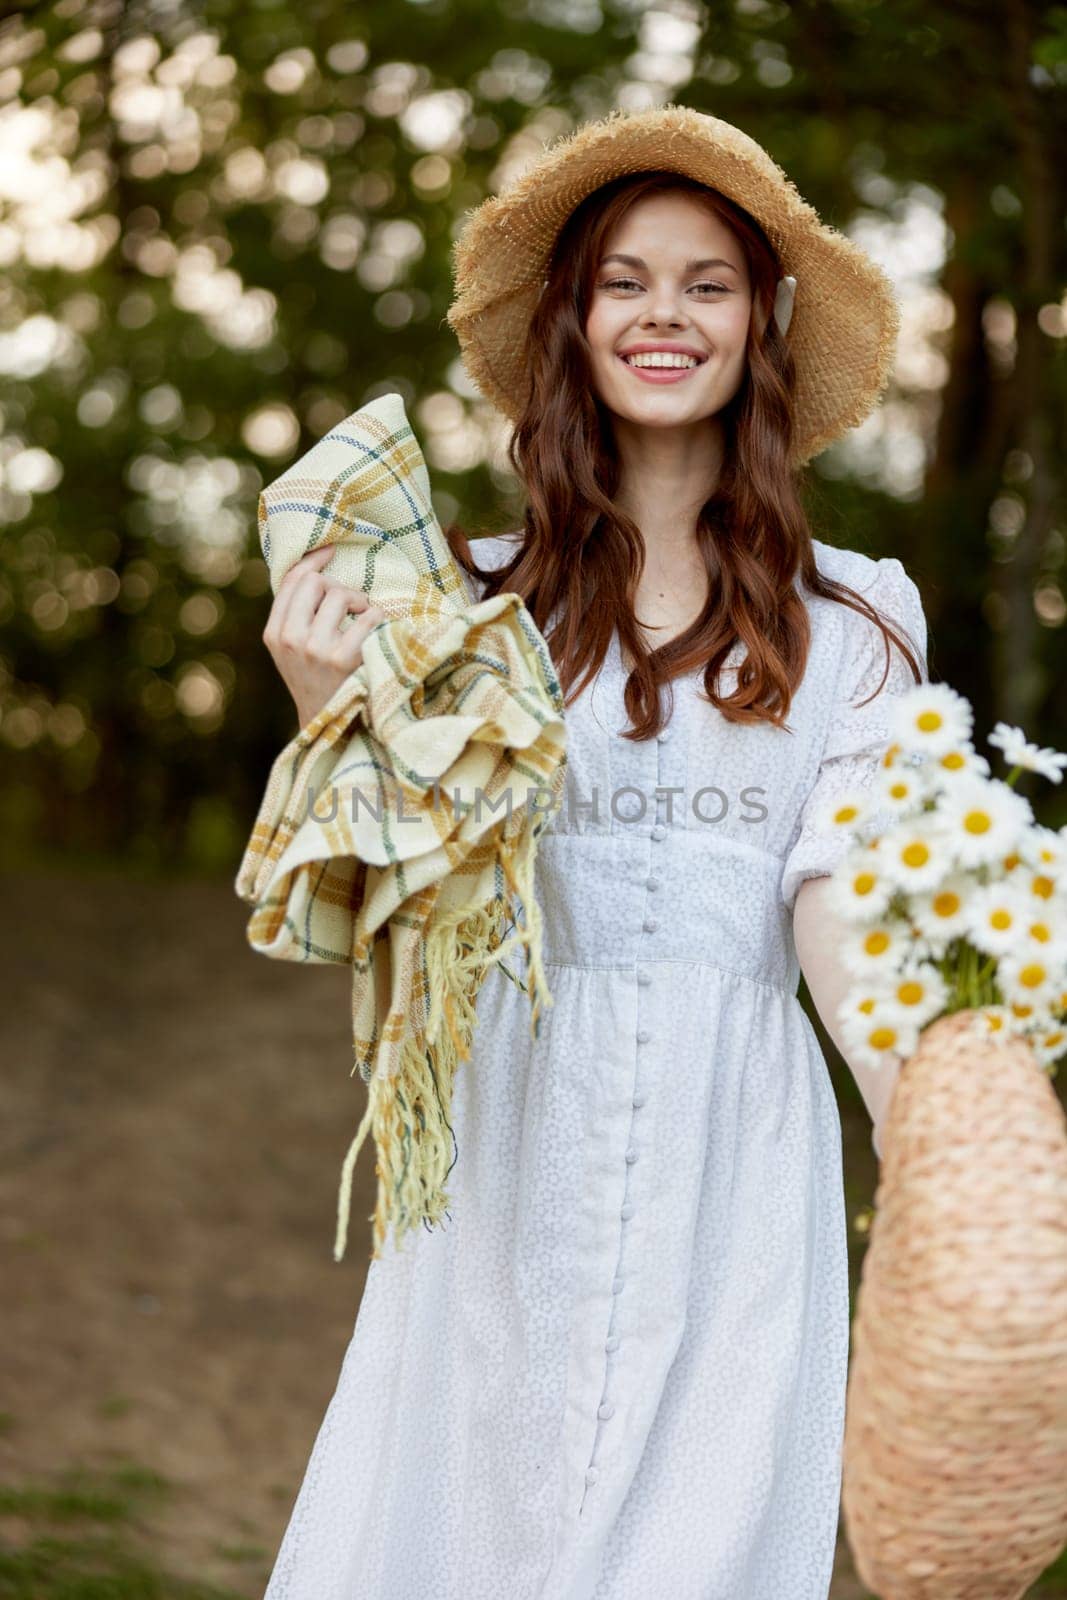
(580, 558)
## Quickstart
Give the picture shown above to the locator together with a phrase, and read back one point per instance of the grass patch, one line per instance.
(101, 1561)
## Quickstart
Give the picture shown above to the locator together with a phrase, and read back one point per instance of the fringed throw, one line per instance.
(398, 829)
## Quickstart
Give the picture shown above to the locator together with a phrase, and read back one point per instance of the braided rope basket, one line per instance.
(954, 1481)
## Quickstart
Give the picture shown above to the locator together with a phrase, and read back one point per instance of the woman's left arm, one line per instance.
(818, 933)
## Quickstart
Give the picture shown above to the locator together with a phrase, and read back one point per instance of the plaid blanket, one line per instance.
(398, 828)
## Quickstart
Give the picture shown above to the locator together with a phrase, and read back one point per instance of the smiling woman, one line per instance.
(620, 1370)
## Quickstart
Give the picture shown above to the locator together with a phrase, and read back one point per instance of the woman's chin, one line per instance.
(662, 409)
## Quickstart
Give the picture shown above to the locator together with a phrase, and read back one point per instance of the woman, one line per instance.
(619, 1371)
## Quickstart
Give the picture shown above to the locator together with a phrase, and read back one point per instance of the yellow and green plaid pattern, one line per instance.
(398, 829)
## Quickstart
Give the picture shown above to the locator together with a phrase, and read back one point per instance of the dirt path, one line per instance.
(177, 1112)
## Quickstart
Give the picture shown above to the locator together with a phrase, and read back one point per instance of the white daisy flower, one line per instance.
(899, 791)
(940, 913)
(843, 814)
(1022, 1013)
(860, 886)
(1032, 977)
(1010, 865)
(877, 1035)
(1049, 1044)
(993, 1022)
(1044, 893)
(985, 819)
(878, 948)
(958, 762)
(995, 918)
(931, 717)
(916, 853)
(1046, 851)
(1042, 926)
(920, 991)
(1019, 752)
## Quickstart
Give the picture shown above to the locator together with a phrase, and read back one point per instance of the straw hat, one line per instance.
(844, 326)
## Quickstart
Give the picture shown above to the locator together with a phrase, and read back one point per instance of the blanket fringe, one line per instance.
(409, 1114)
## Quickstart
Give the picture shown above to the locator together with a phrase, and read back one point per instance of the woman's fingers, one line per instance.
(307, 634)
(348, 650)
(297, 627)
(326, 634)
(304, 577)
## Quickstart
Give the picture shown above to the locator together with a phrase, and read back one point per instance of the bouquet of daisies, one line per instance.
(955, 896)
(954, 902)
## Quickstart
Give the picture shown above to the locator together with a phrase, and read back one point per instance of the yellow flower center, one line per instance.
(899, 791)
(876, 943)
(946, 904)
(1043, 886)
(953, 760)
(915, 854)
(846, 813)
(929, 721)
(1000, 919)
(910, 993)
(1040, 931)
(866, 1006)
(864, 882)
(1019, 1008)
(882, 1038)
(977, 822)
(1033, 975)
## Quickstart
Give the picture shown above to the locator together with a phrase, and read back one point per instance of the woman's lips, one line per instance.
(661, 374)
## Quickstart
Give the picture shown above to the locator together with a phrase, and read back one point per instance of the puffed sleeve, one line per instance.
(857, 738)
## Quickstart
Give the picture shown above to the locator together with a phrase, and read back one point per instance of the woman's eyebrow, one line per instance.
(690, 266)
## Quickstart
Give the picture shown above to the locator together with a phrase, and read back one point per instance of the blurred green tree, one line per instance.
(224, 226)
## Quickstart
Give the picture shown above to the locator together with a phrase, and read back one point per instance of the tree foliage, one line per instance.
(225, 226)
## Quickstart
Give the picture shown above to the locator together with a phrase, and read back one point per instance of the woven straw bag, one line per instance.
(954, 1478)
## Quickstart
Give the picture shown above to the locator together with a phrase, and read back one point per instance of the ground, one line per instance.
(177, 1111)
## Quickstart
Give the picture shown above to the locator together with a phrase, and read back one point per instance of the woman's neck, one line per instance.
(666, 475)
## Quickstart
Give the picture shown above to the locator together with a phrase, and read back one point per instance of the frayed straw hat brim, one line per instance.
(845, 319)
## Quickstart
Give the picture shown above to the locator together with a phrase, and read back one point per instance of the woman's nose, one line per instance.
(665, 309)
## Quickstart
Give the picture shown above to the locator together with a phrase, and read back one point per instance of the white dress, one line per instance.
(618, 1371)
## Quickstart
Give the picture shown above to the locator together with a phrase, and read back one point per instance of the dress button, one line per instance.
(627, 1211)
(651, 924)
(652, 883)
(606, 1411)
(644, 976)
(643, 1036)
(616, 1286)
(639, 1100)
(631, 1156)
(659, 831)
(612, 1343)
(591, 1474)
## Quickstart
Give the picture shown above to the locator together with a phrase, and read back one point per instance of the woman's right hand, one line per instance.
(313, 655)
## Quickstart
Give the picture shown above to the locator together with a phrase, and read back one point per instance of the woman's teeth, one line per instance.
(659, 358)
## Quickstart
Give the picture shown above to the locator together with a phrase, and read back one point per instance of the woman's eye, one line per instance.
(627, 283)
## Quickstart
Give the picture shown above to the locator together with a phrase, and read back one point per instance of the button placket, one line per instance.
(606, 1407)
(653, 883)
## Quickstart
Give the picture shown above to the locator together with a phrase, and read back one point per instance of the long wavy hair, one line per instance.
(579, 561)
